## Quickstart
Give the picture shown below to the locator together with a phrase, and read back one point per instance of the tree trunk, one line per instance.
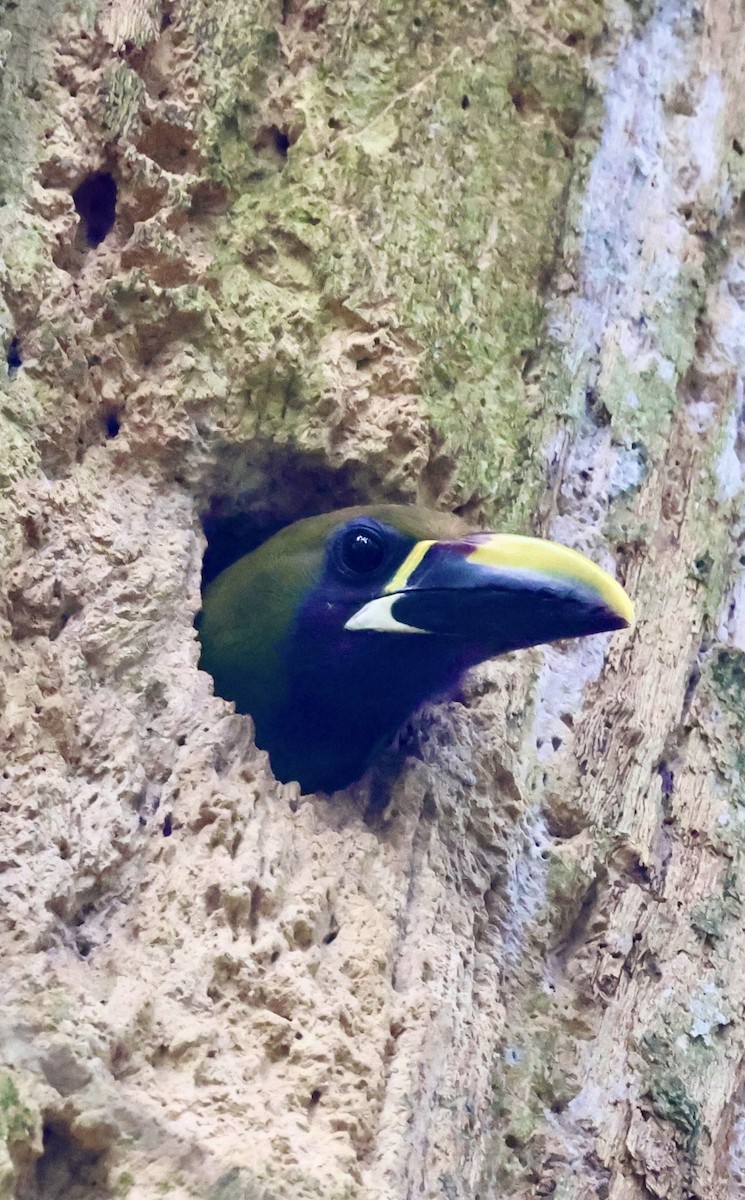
(262, 260)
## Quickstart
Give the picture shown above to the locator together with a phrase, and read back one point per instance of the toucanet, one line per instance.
(336, 629)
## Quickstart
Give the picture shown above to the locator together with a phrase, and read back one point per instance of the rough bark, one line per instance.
(490, 257)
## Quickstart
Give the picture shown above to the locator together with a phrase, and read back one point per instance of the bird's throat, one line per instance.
(368, 688)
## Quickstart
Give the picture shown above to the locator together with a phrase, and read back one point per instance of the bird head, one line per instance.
(335, 630)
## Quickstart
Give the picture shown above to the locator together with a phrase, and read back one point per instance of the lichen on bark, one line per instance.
(488, 256)
(418, 186)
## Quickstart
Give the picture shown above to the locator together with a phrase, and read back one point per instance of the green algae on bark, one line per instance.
(428, 181)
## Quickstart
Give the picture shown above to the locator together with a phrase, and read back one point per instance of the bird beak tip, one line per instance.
(619, 603)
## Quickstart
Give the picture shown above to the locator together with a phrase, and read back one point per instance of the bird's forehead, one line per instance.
(411, 521)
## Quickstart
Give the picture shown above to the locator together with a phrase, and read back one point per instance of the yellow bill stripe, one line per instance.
(512, 552)
(408, 567)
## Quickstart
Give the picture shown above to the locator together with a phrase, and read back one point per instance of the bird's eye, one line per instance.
(362, 550)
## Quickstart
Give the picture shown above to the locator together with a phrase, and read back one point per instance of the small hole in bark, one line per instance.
(95, 201)
(168, 825)
(66, 1168)
(667, 779)
(274, 138)
(13, 357)
(556, 742)
(465, 102)
(83, 945)
(518, 99)
(512, 1142)
(429, 807)
(332, 934)
(112, 424)
(737, 146)
(315, 1096)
